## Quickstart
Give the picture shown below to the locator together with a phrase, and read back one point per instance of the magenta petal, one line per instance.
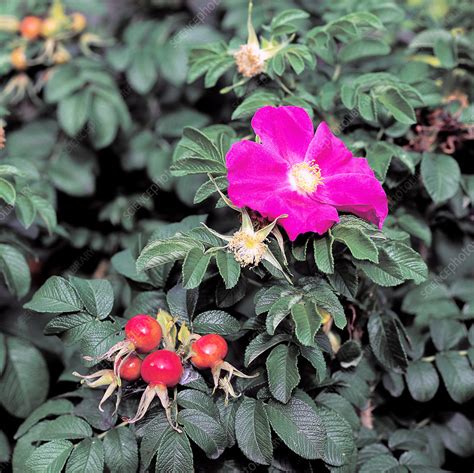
(360, 194)
(304, 214)
(253, 173)
(286, 131)
(332, 155)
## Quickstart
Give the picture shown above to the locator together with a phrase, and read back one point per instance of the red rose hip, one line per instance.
(144, 332)
(209, 351)
(130, 368)
(162, 367)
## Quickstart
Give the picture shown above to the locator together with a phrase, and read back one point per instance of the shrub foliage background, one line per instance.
(365, 363)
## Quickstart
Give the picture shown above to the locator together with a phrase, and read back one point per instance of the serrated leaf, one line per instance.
(323, 253)
(260, 344)
(120, 448)
(397, 105)
(49, 458)
(55, 295)
(229, 269)
(174, 454)
(441, 176)
(195, 267)
(51, 407)
(88, 456)
(215, 321)
(282, 370)
(24, 384)
(422, 381)
(299, 426)
(204, 431)
(457, 374)
(315, 356)
(7, 191)
(15, 270)
(252, 431)
(96, 295)
(307, 322)
(67, 427)
(160, 252)
(387, 342)
(359, 243)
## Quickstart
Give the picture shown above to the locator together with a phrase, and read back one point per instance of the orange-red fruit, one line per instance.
(144, 332)
(162, 367)
(209, 351)
(30, 27)
(18, 59)
(130, 369)
(78, 22)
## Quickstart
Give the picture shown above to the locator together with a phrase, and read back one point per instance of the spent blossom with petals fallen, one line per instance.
(308, 176)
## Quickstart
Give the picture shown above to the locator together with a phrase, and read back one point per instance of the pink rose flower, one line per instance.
(308, 176)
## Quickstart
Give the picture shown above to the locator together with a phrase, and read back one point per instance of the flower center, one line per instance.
(247, 248)
(305, 177)
(250, 60)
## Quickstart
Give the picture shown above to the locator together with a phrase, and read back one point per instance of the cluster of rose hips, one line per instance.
(32, 28)
(138, 357)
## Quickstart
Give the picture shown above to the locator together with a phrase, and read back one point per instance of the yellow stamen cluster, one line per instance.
(305, 177)
(250, 60)
(248, 249)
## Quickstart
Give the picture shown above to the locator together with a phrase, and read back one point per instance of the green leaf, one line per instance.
(67, 427)
(279, 310)
(49, 458)
(362, 48)
(307, 322)
(260, 344)
(416, 227)
(51, 407)
(174, 453)
(381, 464)
(3, 352)
(323, 253)
(422, 381)
(253, 102)
(121, 453)
(15, 270)
(315, 356)
(358, 241)
(387, 341)
(87, 457)
(340, 442)
(45, 210)
(441, 176)
(73, 112)
(457, 374)
(252, 431)
(96, 295)
(229, 269)
(103, 122)
(24, 384)
(408, 260)
(216, 321)
(202, 145)
(54, 296)
(195, 267)
(194, 399)
(282, 370)
(160, 252)
(100, 336)
(63, 82)
(379, 157)
(25, 210)
(299, 426)
(7, 191)
(142, 72)
(204, 431)
(397, 105)
(386, 273)
(446, 333)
